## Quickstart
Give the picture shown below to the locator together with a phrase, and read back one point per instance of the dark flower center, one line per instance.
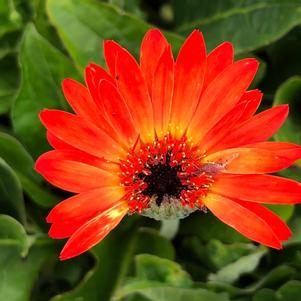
(165, 177)
(162, 181)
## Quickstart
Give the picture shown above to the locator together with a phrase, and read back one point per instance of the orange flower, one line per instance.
(164, 139)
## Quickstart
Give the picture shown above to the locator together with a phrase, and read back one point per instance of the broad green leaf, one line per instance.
(243, 265)
(13, 152)
(161, 292)
(154, 268)
(131, 6)
(12, 233)
(291, 291)
(43, 67)
(11, 197)
(284, 60)
(265, 295)
(248, 24)
(10, 18)
(289, 93)
(8, 82)
(42, 23)
(220, 254)
(18, 271)
(274, 278)
(160, 279)
(201, 259)
(114, 257)
(84, 24)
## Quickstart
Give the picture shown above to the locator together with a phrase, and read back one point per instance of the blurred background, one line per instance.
(42, 42)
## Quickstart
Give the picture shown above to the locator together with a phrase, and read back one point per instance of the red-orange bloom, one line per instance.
(164, 138)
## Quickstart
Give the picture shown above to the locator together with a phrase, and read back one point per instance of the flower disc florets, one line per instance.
(166, 179)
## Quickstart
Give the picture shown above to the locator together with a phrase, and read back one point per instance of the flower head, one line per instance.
(164, 138)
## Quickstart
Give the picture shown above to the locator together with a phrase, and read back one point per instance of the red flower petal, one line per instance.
(279, 227)
(73, 176)
(93, 231)
(80, 134)
(77, 155)
(82, 103)
(152, 48)
(222, 127)
(190, 70)
(252, 99)
(162, 91)
(94, 74)
(132, 87)
(111, 51)
(72, 213)
(217, 60)
(117, 113)
(242, 219)
(57, 143)
(258, 188)
(252, 160)
(256, 129)
(286, 149)
(229, 87)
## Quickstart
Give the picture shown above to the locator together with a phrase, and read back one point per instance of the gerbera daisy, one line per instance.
(164, 138)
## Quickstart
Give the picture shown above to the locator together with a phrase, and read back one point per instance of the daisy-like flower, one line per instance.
(164, 138)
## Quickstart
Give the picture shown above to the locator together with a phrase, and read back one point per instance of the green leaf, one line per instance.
(274, 278)
(243, 265)
(42, 23)
(289, 92)
(131, 6)
(283, 57)
(113, 258)
(248, 24)
(18, 271)
(154, 268)
(161, 292)
(13, 234)
(13, 152)
(265, 295)
(220, 254)
(43, 67)
(11, 197)
(8, 83)
(291, 291)
(10, 18)
(160, 279)
(84, 24)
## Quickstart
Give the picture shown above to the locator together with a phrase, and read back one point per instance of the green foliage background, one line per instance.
(42, 42)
